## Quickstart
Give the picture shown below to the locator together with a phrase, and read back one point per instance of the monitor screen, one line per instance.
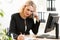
(52, 19)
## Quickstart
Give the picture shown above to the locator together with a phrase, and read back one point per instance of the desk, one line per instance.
(33, 37)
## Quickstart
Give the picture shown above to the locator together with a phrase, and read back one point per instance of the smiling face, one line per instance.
(28, 10)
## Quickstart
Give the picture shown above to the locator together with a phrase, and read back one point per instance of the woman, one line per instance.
(22, 22)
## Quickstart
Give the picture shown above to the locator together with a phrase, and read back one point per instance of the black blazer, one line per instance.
(17, 25)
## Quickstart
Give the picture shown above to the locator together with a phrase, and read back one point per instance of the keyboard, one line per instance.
(46, 36)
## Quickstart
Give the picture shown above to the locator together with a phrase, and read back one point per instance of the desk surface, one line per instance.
(33, 37)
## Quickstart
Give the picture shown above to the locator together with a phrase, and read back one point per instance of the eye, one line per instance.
(31, 11)
(28, 9)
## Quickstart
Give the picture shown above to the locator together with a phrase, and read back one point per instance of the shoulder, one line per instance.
(14, 15)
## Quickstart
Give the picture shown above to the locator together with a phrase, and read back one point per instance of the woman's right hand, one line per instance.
(20, 37)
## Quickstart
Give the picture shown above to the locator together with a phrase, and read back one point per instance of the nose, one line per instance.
(30, 12)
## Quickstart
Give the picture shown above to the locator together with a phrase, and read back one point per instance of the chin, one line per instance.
(27, 15)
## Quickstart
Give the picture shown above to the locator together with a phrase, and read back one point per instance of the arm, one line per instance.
(13, 27)
(35, 27)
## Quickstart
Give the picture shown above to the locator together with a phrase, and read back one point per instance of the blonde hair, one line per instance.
(29, 3)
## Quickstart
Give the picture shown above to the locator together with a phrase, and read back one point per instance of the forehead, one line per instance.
(30, 8)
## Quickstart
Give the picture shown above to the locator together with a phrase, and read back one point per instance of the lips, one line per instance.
(27, 14)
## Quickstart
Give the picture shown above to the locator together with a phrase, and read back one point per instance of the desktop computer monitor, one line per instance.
(52, 23)
(52, 19)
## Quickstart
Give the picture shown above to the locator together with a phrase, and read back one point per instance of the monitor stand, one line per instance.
(57, 31)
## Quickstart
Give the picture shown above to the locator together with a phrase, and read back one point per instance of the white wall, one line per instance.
(12, 6)
(58, 10)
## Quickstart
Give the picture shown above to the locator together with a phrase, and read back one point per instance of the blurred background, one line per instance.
(9, 7)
